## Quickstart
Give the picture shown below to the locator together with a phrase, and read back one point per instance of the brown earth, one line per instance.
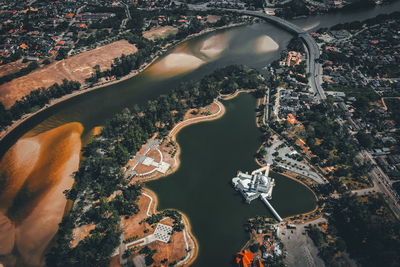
(76, 68)
(213, 18)
(12, 67)
(173, 250)
(160, 32)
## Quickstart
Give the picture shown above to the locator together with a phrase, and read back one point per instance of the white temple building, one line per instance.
(254, 185)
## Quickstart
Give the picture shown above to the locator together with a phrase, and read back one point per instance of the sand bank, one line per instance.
(265, 44)
(174, 64)
(154, 58)
(215, 45)
(33, 201)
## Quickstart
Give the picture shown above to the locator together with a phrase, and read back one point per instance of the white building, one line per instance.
(254, 185)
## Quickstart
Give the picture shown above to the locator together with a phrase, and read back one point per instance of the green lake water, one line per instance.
(211, 154)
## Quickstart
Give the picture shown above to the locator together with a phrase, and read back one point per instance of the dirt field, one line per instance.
(76, 68)
(12, 67)
(160, 32)
(213, 18)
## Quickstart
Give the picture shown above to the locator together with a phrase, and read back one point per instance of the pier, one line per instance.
(274, 212)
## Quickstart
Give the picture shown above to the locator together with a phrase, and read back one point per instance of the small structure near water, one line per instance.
(256, 185)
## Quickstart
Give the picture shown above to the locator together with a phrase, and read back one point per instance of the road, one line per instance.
(383, 183)
(315, 79)
(128, 15)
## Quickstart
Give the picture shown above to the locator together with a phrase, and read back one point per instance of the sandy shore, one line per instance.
(173, 133)
(195, 251)
(215, 45)
(53, 102)
(38, 183)
(174, 64)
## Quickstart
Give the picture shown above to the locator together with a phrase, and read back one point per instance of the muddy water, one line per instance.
(36, 171)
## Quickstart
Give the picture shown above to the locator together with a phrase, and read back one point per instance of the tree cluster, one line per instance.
(35, 100)
(24, 71)
(100, 173)
(372, 238)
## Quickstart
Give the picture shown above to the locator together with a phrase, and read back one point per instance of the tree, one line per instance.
(365, 139)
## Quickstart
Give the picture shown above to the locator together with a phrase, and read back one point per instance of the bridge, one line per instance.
(312, 47)
(311, 44)
(273, 211)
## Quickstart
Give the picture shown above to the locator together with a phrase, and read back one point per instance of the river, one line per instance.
(38, 157)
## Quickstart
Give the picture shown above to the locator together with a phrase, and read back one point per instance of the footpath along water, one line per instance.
(240, 46)
(211, 154)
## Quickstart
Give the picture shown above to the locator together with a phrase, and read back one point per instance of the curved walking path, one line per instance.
(172, 134)
(149, 206)
(189, 258)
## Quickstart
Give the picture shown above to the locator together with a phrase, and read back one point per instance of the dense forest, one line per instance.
(371, 232)
(325, 137)
(393, 105)
(100, 174)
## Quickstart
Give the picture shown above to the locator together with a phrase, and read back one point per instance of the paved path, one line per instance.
(182, 123)
(382, 181)
(149, 206)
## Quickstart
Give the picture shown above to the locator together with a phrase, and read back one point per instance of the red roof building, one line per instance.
(244, 258)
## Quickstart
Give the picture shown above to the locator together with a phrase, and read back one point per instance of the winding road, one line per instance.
(311, 44)
(315, 69)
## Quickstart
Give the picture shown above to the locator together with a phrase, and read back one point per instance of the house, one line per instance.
(244, 258)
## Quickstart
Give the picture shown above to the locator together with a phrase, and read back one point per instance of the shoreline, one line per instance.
(9, 129)
(172, 137)
(152, 209)
(287, 175)
(235, 94)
